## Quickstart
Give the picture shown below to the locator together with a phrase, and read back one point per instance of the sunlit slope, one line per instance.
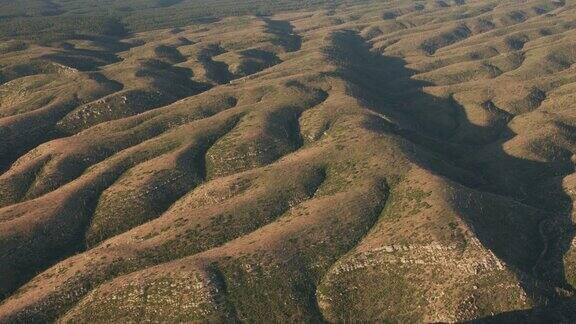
(401, 161)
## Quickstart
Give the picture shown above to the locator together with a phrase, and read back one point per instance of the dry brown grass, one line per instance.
(395, 161)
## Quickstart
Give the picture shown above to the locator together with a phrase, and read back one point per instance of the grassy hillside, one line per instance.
(377, 161)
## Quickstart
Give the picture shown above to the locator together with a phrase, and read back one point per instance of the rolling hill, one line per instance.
(317, 161)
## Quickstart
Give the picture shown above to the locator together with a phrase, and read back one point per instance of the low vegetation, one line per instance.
(291, 161)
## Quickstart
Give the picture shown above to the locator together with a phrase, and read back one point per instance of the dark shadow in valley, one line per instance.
(533, 246)
(284, 31)
(216, 71)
